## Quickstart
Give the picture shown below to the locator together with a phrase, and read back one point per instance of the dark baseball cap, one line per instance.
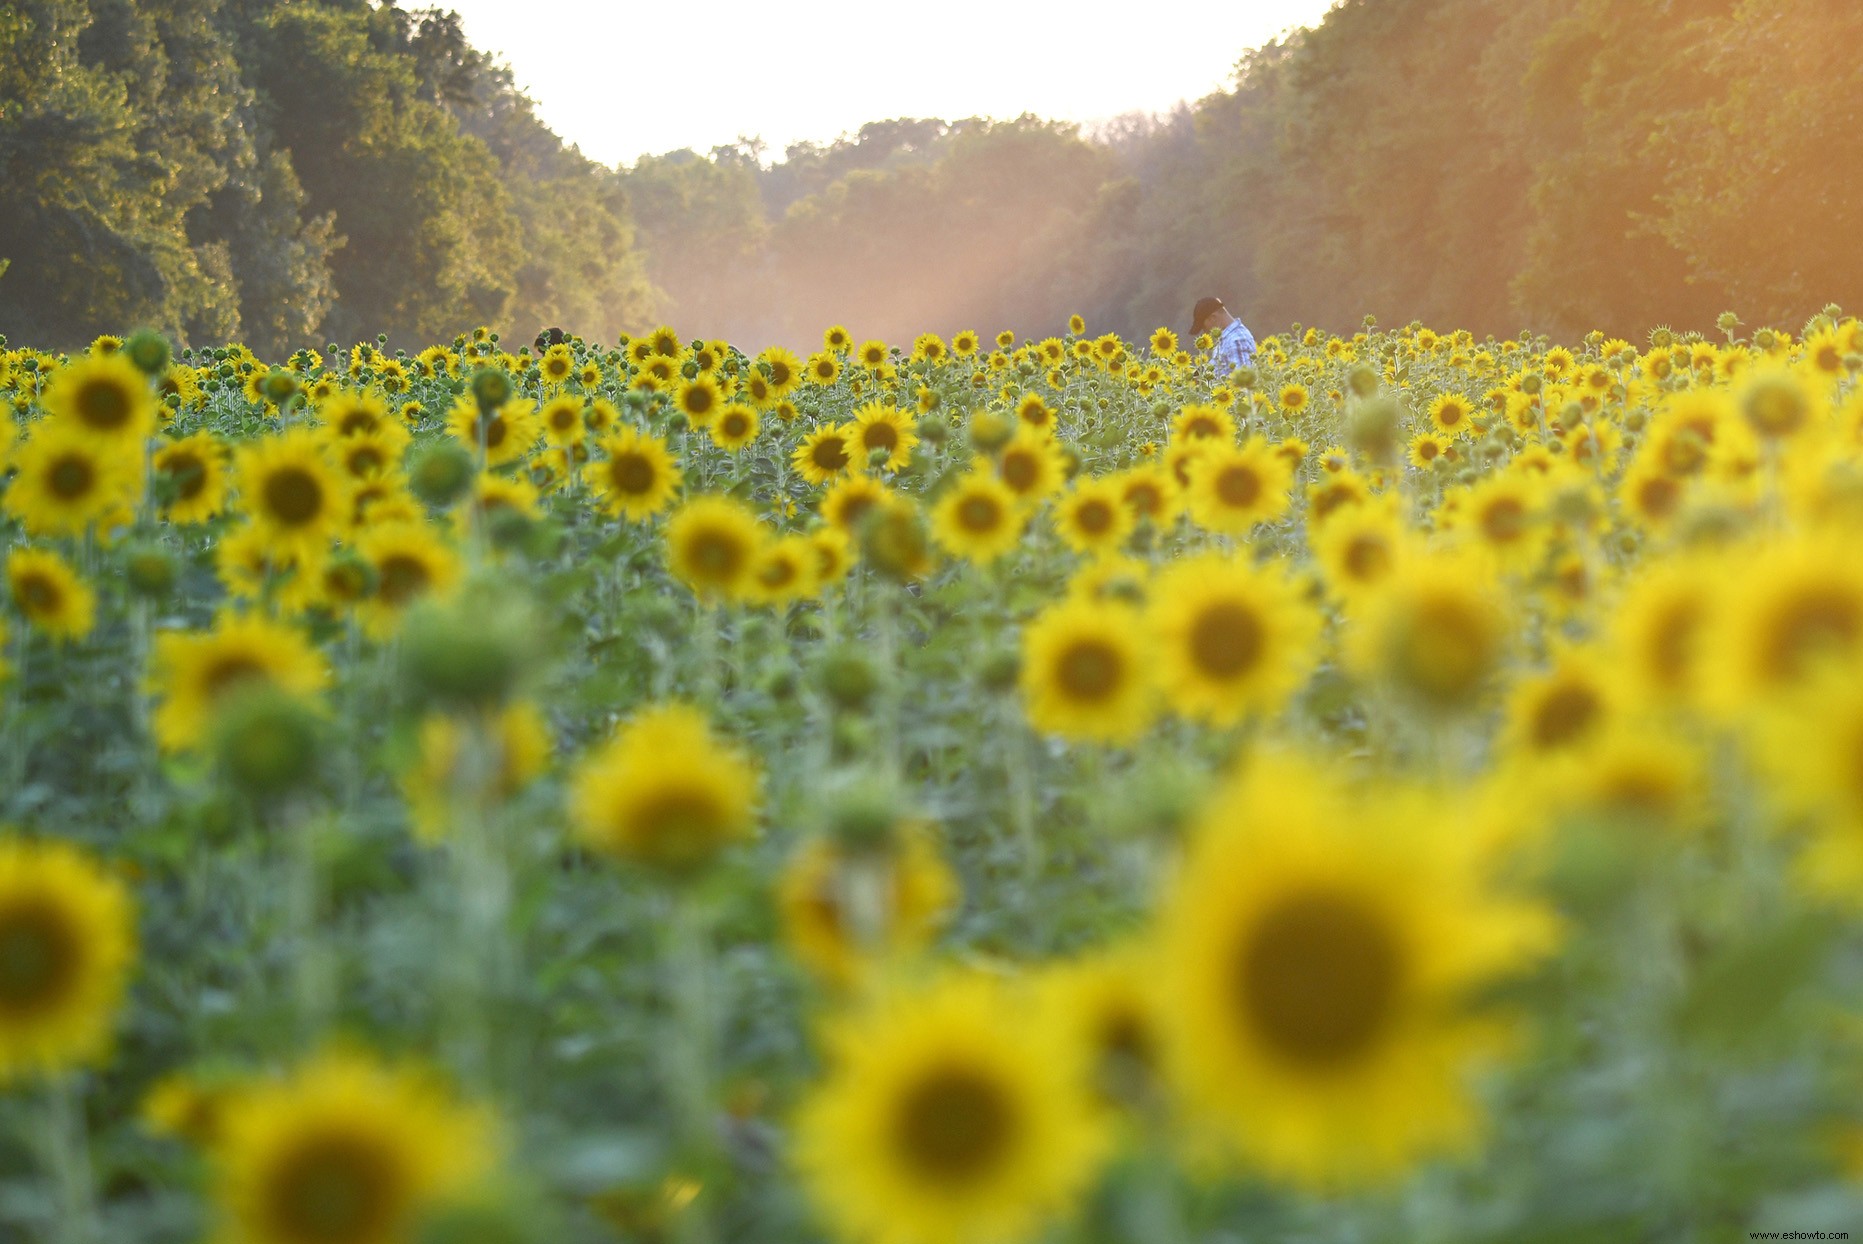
(1203, 308)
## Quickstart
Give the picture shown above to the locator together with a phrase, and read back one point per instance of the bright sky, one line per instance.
(789, 71)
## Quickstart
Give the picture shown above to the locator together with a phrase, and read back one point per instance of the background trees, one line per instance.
(292, 172)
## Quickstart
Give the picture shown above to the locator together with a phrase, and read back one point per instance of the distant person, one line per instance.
(1231, 343)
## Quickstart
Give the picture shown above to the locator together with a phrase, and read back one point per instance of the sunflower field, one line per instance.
(985, 792)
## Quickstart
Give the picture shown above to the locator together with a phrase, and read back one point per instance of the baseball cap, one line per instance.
(1203, 308)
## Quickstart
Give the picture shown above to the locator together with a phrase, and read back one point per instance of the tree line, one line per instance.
(293, 171)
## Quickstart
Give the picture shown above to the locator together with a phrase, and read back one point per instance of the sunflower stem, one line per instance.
(687, 1049)
(482, 895)
(68, 1153)
(310, 960)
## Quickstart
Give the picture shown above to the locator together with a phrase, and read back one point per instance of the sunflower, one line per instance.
(1451, 413)
(837, 338)
(291, 492)
(1502, 517)
(735, 427)
(1775, 402)
(1659, 625)
(845, 912)
(784, 571)
(1150, 493)
(711, 544)
(1163, 341)
(105, 398)
(834, 554)
(948, 1114)
(637, 478)
(191, 475)
(1809, 748)
(370, 455)
(49, 594)
(1231, 639)
(928, 348)
(881, 426)
(1436, 632)
(1032, 411)
(345, 1150)
(1201, 421)
(410, 563)
(1317, 964)
(665, 792)
(557, 365)
(825, 453)
(562, 420)
(1107, 1006)
(67, 482)
(783, 369)
(823, 369)
(850, 499)
(1233, 488)
(1085, 672)
(1092, 517)
(1293, 398)
(699, 399)
(1030, 465)
(191, 672)
(978, 518)
(756, 390)
(495, 761)
(1783, 609)
(1563, 709)
(1426, 449)
(1361, 548)
(67, 946)
(505, 434)
(871, 355)
(349, 413)
(251, 567)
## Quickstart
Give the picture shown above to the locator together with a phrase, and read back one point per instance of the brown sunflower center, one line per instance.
(1317, 980)
(403, 577)
(1089, 669)
(735, 425)
(227, 672)
(1442, 650)
(677, 826)
(1504, 520)
(880, 435)
(717, 555)
(293, 496)
(1815, 623)
(1566, 713)
(1094, 517)
(71, 477)
(188, 472)
(39, 958)
(103, 405)
(1367, 558)
(334, 1188)
(1021, 471)
(979, 514)
(37, 593)
(631, 474)
(1226, 639)
(955, 1125)
(829, 453)
(1238, 486)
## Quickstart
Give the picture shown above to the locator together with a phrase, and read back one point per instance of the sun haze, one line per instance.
(795, 72)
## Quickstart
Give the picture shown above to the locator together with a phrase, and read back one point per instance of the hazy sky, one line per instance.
(794, 71)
